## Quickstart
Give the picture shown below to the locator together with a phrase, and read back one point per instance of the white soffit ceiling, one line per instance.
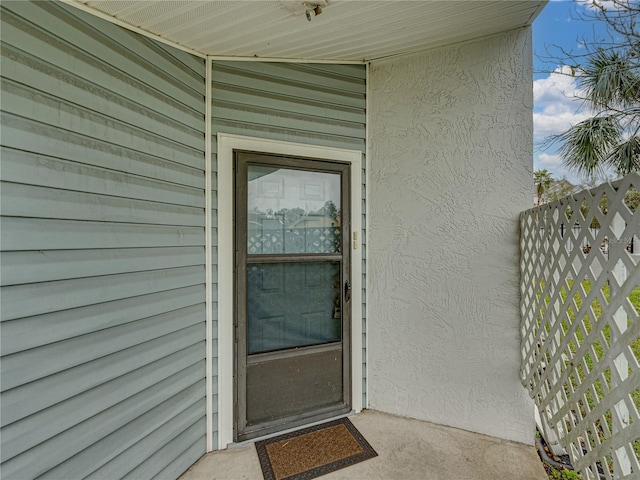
(346, 30)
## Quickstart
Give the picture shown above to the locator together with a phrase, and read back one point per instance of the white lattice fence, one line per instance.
(580, 305)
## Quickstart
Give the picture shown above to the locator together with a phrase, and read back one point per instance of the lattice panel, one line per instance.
(580, 306)
(295, 240)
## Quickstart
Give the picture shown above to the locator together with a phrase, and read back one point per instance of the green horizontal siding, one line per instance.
(30, 267)
(315, 104)
(103, 249)
(102, 233)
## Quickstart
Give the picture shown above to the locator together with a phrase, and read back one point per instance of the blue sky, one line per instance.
(555, 108)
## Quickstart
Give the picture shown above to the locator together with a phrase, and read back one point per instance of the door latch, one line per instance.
(347, 291)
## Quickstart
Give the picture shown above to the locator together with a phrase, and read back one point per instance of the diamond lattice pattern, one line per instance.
(580, 306)
(295, 240)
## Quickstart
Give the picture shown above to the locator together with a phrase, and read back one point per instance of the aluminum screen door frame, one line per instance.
(223, 244)
(306, 378)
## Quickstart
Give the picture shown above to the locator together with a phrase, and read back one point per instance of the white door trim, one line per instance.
(226, 144)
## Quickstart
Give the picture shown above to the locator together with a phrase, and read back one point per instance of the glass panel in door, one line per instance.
(292, 305)
(292, 211)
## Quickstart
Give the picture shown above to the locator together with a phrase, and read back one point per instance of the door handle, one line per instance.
(347, 291)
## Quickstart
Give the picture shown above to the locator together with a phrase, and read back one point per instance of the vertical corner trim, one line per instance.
(208, 260)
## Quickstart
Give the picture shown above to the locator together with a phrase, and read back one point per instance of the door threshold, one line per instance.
(288, 430)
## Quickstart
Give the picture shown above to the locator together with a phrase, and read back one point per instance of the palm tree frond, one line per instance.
(611, 79)
(586, 145)
(608, 74)
(625, 157)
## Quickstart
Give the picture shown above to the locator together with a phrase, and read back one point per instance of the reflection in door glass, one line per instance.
(293, 305)
(292, 211)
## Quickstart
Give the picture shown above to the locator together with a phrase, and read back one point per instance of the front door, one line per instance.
(292, 308)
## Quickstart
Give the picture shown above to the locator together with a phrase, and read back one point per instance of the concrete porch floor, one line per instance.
(407, 449)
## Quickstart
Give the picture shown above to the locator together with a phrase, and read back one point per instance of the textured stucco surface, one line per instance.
(451, 154)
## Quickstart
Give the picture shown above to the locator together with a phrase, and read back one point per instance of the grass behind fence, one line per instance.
(579, 373)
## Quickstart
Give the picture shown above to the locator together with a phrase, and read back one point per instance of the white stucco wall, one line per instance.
(450, 170)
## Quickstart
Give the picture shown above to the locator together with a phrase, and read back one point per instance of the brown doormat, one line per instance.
(313, 451)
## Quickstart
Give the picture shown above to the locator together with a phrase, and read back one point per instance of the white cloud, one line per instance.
(559, 88)
(557, 104)
(546, 124)
(549, 160)
(607, 4)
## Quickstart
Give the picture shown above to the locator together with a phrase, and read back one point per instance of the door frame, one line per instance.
(288, 357)
(226, 144)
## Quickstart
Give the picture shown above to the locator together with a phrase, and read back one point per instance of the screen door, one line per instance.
(292, 292)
